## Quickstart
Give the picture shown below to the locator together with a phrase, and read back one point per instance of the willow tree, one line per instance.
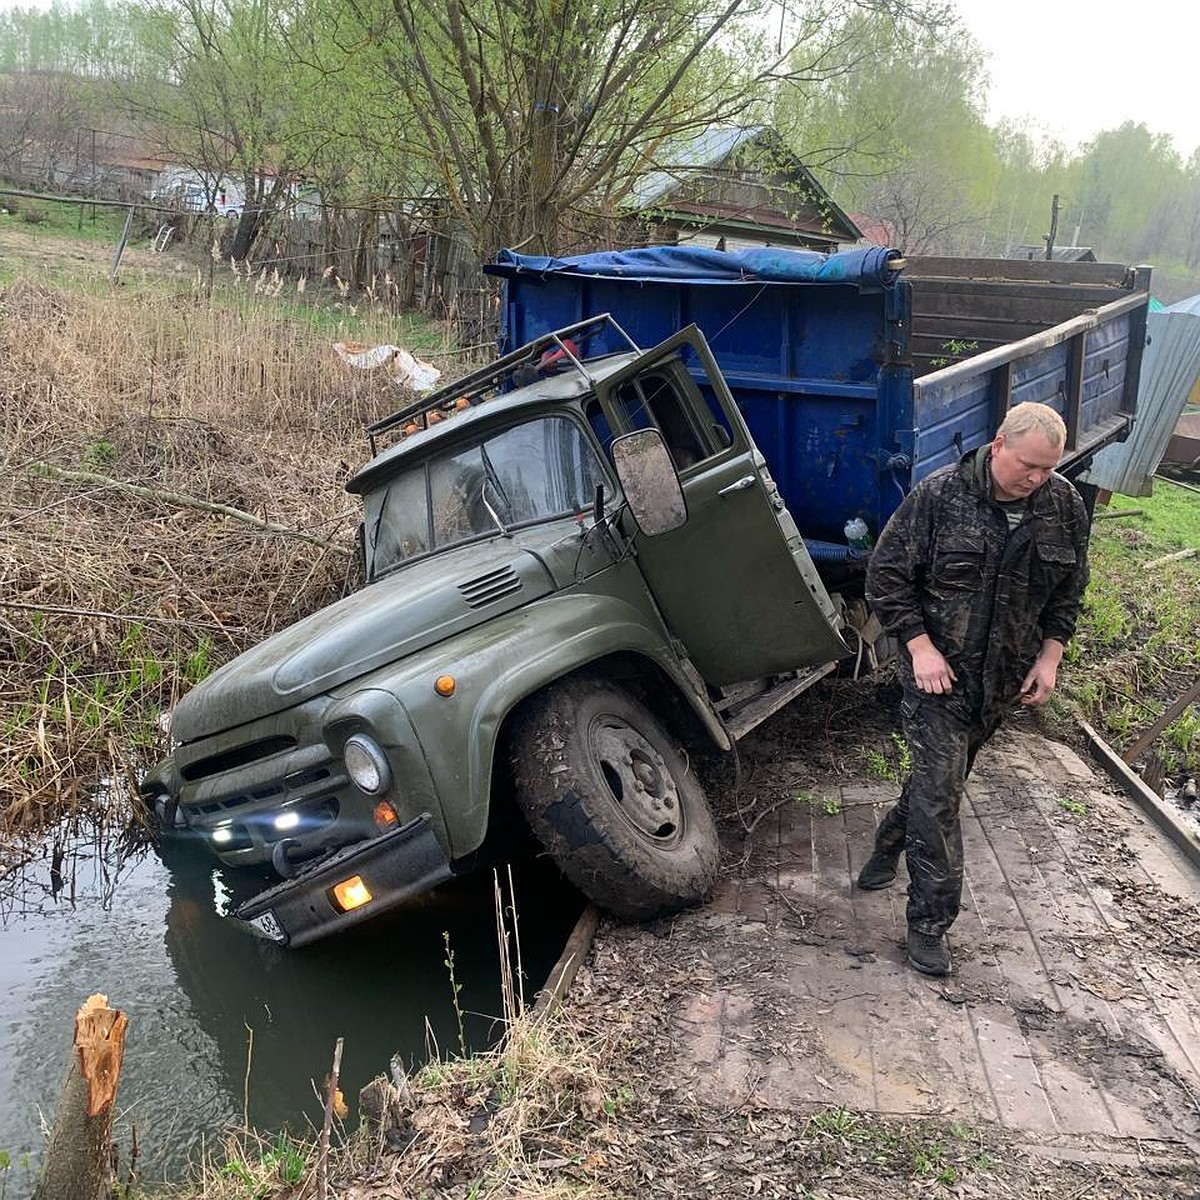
(896, 126)
(535, 115)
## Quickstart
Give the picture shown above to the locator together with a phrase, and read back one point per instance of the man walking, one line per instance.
(979, 575)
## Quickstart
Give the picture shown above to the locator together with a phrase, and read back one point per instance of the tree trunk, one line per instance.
(77, 1162)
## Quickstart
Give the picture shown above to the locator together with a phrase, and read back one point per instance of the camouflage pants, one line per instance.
(924, 821)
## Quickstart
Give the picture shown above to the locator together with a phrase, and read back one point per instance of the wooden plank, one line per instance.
(961, 372)
(1174, 710)
(756, 711)
(929, 266)
(935, 1067)
(1008, 300)
(1018, 908)
(1107, 1005)
(1074, 388)
(563, 973)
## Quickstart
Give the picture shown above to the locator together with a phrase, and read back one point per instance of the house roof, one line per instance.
(709, 149)
(875, 230)
(1191, 305)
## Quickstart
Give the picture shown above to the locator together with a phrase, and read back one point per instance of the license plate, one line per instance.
(268, 927)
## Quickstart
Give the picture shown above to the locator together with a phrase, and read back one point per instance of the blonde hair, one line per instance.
(1029, 416)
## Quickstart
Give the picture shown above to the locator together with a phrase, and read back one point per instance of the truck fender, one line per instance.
(536, 648)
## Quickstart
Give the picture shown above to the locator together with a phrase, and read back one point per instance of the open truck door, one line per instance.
(734, 582)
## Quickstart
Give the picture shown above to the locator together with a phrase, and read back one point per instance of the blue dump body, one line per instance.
(848, 369)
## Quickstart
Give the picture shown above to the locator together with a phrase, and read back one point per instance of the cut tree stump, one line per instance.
(78, 1159)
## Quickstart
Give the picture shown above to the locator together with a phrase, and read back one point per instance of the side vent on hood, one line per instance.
(486, 589)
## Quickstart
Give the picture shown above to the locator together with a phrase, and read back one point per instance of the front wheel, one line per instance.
(613, 800)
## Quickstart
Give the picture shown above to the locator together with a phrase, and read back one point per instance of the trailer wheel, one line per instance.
(613, 800)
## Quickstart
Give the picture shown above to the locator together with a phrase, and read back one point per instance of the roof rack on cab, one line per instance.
(548, 351)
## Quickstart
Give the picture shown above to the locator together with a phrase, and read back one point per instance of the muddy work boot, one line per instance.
(928, 953)
(879, 871)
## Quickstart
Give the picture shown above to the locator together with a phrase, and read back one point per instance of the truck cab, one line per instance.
(570, 561)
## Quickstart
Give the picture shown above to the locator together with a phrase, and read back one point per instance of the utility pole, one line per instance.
(1053, 228)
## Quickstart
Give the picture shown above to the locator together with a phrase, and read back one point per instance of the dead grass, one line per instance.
(113, 603)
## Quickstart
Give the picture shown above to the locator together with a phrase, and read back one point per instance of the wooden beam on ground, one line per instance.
(1161, 813)
(78, 1157)
(562, 974)
(1166, 558)
(1171, 713)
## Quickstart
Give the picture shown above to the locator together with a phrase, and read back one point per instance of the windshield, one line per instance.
(533, 472)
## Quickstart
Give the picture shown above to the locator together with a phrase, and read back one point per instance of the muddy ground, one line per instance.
(773, 1043)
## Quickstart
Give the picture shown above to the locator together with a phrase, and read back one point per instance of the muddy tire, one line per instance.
(613, 799)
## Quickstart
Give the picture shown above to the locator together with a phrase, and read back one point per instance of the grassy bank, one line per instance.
(1138, 645)
(172, 481)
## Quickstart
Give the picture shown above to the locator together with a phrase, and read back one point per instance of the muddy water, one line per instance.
(224, 1027)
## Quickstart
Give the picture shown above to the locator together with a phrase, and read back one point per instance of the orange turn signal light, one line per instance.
(384, 815)
(444, 685)
(351, 893)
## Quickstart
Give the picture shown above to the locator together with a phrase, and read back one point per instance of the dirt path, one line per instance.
(774, 1042)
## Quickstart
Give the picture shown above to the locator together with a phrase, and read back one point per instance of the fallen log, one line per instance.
(78, 1159)
(1166, 558)
(177, 498)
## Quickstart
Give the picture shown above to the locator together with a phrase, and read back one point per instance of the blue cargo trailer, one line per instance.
(860, 373)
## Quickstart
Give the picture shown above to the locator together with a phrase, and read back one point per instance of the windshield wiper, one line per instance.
(493, 477)
(490, 476)
(378, 523)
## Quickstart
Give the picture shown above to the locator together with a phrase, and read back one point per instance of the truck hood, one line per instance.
(399, 615)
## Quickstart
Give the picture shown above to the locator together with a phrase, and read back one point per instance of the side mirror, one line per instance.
(649, 481)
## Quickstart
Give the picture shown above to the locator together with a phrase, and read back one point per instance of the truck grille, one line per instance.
(239, 756)
(486, 589)
(292, 783)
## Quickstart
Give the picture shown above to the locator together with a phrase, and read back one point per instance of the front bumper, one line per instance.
(394, 867)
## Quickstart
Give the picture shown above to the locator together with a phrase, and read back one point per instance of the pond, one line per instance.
(226, 1029)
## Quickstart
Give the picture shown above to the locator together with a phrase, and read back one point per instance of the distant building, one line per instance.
(732, 188)
(876, 231)
(1059, 254)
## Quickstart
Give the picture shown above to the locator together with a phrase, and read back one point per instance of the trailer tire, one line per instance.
(614, 800)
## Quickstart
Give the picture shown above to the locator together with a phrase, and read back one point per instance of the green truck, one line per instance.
(581, 574)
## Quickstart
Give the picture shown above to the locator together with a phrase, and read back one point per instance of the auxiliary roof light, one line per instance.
(351, 893)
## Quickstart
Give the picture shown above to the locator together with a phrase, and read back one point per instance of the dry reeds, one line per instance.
(136, 425)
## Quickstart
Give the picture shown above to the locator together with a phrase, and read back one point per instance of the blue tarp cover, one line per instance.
(868, 268)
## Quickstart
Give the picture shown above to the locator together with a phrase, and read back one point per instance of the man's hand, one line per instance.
(1043, 675)
(931, 672)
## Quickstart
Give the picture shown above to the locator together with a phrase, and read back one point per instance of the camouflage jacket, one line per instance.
(948, 565)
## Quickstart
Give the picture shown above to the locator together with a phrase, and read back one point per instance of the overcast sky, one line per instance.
(1074, 67)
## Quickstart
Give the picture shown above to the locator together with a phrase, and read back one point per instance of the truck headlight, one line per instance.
(367, 765)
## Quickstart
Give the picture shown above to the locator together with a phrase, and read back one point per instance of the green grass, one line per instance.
(829, 805)
(922, 1151)
(1138, 643)
(891, 764)
(58, 219)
